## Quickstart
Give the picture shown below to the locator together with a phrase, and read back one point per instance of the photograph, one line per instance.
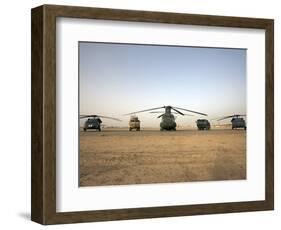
(142, 114)
(152, 113)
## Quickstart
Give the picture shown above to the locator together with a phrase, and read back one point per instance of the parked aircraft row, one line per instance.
(168, 120)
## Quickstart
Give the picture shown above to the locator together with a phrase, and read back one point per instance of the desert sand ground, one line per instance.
(119, 157)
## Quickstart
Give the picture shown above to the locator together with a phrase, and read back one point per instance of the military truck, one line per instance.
(203, 124)
(134, 123)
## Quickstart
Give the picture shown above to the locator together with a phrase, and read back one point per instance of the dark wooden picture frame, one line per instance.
(43, 189)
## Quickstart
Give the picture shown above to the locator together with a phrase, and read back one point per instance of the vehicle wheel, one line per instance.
(138, 129)
(130, 129)
(85, 130)
(245, 128)
(99, 129)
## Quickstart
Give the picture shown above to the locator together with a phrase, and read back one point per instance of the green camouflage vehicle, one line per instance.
(134, 123)
(203, 124)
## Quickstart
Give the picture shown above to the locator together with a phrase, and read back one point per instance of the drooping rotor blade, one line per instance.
(238, 115)
(85, 116)
(224, 118)
(185, 114)
(145, 110)
(112, 118)
(214, 119)
(190, 111)
(235, 115)
(160, 115)
(178, 111)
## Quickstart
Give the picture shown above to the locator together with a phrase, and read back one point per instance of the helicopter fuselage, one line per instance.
(238, 122)
(92, 123)
(168, 121)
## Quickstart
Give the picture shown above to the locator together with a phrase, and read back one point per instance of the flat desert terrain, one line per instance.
(119, 157)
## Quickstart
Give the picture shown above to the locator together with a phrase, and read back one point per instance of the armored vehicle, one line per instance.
(134, 123)
(94, 121)
(168, 119)
(203, 124)
(237, 121)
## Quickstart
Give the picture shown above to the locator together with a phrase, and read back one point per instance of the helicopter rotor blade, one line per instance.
(112, 118)
(190, 111)
(144, 110)
(87, 116)
(224, 118)
(185, 114)
(160, 115)
(235, 115)
(179, 112)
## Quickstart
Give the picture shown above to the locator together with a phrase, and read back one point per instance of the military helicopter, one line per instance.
(237, 121)
(168, 119)
(94, 121)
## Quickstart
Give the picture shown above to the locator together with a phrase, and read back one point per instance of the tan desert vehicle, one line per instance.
(134, 123)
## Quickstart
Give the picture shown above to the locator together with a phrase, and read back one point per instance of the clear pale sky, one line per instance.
(116, 79)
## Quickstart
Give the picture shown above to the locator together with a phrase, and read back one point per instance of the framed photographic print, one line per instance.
(140, 114)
